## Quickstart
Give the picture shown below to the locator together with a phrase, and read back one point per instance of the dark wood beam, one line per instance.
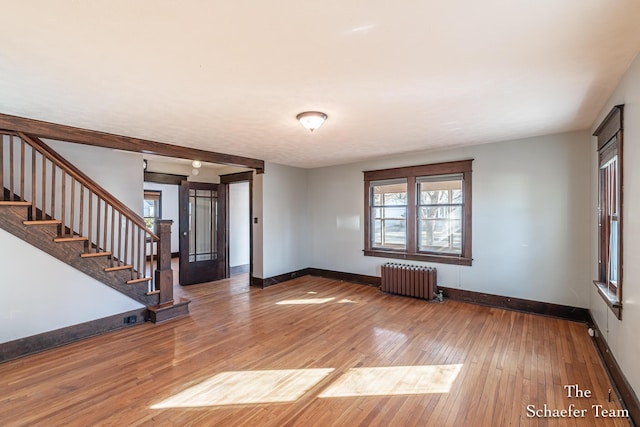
(119, 142)
(164, 178)
(236, 177)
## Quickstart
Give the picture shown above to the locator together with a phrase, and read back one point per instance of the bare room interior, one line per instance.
(320, 214)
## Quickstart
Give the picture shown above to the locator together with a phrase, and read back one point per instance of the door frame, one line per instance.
(247, 176)
(229, 179)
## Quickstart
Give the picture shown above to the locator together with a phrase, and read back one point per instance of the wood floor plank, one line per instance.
(507, 359)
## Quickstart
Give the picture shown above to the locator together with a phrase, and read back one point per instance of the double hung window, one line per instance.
(609, 281)
(420, 213)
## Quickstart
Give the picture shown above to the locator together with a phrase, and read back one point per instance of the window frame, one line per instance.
(411, 174)
(383, 218)
(610, 144)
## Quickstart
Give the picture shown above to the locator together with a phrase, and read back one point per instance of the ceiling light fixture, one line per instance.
(311, 120)
(196, 164)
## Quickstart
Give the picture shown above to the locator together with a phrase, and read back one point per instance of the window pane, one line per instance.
(613, 253)
(385, 194)
(390, 233)
(149, 208)
(440, 190)
(440, 229)
(389, 216)
(610, 211)
(395, 199)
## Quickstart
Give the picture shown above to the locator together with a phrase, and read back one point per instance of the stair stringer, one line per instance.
(42, 236)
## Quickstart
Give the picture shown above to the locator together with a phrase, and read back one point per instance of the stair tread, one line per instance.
(13, 203)
(119, 267)
(95, 254)
(70, 239)
(42, 222)
(140, 280)
(153, 292)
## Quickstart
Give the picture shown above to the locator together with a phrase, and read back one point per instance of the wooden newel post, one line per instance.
(164, 273)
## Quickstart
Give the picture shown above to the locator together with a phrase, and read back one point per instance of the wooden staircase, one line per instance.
(55, 207)
(73, 250)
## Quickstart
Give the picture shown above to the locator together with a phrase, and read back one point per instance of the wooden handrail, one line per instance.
(81, 177)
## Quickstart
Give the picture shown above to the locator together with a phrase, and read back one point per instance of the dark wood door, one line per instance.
(202, 232)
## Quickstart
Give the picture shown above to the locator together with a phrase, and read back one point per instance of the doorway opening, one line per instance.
(223, 209)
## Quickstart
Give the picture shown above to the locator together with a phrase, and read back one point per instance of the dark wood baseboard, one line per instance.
(238, 269)
(329, 274)
(575, 314)
(623, 388)
(47, 340)
(347, 277)
(529, 306)
(270, 281)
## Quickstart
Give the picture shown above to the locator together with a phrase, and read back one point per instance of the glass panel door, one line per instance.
(202, 232)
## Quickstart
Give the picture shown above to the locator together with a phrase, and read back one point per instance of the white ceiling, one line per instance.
(230, 76)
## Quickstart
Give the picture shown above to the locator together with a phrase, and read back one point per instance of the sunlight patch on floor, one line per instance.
(394, 380)
(304, 301)
(247, 387)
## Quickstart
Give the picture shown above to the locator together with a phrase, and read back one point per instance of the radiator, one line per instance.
(409, 280)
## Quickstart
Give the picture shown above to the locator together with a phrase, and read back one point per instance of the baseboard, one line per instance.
(329, 274)
(536, 307)
(624, 390)
(270, 281)
(529, 306)
(47, 340)
(347, 277)
(238, 269)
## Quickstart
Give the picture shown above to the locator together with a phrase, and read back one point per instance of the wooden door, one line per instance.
(202, 232)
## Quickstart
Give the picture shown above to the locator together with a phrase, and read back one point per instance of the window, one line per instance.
(152, 208)
(419, 213)
(389, 214)
(609, 280)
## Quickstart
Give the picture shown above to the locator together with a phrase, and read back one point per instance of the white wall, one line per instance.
(118, 172)
(63, 295)
(622, 336)
(239, 224)
(50, 297)
(530, 218)
(285, 231)
(170, 209)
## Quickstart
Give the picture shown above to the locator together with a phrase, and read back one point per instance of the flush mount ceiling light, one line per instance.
(311, 120)
(196, 164)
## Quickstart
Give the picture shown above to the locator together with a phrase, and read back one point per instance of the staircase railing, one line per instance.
(32, 171)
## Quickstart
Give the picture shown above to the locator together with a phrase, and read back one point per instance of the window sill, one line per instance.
(610, 298)
(442, 259)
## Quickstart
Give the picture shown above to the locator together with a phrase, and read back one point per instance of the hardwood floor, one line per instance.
(314, 352)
